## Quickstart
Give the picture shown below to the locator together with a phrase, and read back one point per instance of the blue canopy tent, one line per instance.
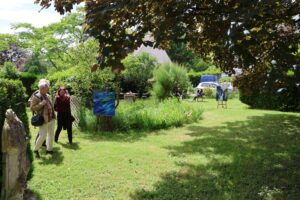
(209, 78)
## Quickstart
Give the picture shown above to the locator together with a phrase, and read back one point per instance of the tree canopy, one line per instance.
(240, 33)
(181, 54)
(261, 37)
(48, 47)
(138, 70)
(10, 50)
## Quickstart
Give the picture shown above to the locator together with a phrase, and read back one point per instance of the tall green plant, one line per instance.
(138, 70)
(86, 82)
(170, 80)
(9, 71)
(180, 53)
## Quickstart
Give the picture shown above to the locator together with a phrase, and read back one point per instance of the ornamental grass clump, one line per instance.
(153, 115)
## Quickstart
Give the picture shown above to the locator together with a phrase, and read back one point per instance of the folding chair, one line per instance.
(199, 95)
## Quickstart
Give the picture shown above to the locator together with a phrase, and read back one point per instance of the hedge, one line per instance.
(288, 101)
(28, 79)
(12, 95)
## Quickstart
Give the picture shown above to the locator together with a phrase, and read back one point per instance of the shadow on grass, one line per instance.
(55, 159)
(31, 195)
(244, 158)
(73, 146)
(126, 136)
(129, 136)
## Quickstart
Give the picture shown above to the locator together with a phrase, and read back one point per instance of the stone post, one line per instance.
(16, 162)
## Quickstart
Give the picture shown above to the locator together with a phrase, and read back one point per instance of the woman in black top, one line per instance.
(64, 118)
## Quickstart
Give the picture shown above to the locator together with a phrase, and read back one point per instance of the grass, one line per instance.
(235, 153)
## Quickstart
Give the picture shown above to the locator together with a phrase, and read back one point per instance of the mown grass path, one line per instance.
(235, 153)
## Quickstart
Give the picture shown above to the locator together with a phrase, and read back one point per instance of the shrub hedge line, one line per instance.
(13, 95)
(28, 79)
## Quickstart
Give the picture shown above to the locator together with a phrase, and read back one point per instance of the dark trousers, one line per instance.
(64, 121)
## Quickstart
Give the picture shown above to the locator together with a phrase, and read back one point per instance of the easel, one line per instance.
(104, 123)
(222, 103)
(221, 97)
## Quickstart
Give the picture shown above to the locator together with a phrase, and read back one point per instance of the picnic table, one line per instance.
(130, 96)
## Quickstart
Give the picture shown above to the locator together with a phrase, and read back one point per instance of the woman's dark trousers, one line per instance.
(64, 121)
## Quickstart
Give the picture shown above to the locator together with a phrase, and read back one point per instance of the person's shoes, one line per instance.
(56, 140)
(37, 154)
(49, 152)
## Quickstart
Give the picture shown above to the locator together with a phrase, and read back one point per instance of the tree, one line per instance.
(236, 33)
(48, 46)
(77, 75)
(233, 30)
(138, 70)
(11, 51)
(181, 54)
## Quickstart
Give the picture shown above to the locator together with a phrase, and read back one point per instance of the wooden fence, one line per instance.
(75, 109)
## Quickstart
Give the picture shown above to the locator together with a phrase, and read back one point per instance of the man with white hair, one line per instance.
(41, 104)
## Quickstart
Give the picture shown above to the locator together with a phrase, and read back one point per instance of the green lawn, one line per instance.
(235, 153)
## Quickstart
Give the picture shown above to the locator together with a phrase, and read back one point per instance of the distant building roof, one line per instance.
(160, 55)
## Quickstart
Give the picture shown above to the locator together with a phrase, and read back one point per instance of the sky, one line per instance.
(16, 11)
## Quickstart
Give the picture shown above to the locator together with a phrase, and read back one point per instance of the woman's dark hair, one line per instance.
(61, 88)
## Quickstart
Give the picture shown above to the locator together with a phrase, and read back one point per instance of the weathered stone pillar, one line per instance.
(16, 162)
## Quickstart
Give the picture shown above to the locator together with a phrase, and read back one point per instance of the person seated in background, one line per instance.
(199, 94)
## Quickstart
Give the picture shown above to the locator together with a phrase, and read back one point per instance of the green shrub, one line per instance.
(169, 80)
(28, 80)
(262, 100)
(268, 100)
(12, 95)
(60, 78)
(233, 94)
(270, 91)
(9, 71)
(228, 79)
(209, 92)
(87, 120)
(138, 70)
(195, 78)
(81, 81)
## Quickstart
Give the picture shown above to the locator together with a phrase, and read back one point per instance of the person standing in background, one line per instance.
(64, 117)
(41, 103)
